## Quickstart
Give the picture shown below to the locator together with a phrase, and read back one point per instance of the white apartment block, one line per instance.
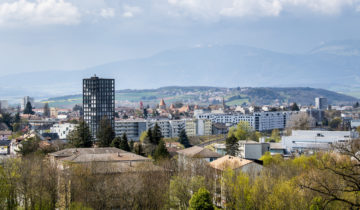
(259, 121)
(198, 127)
(132, 128)
(62, 130)
(168, 128)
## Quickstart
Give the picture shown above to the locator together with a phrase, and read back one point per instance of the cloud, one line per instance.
(40, 12)
(329, 7)
(131, 11)
(107, 13)
(259, 8)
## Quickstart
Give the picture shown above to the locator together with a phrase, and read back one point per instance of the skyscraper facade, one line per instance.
(98, 102)
(321, 103)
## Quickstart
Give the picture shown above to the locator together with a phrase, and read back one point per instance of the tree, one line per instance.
(335, 123)
(157, 136)
(150, 136)
(116, 142)
(201, 200)
(161, 151)
(143, 136)
(356, 105)
(29, 146)
(28, 108)
(301, 121)
(46, 110)
(336, 176)
(275, 135)
(124, 144)
(145, 113)
(81, 136)
(181, 188)
(242, 131)
(105, 134)
(79, 109)
(232, 146)
(131, 144)
(183, 139)
(138, 149)
(17, 118)
(294, 107)
(7, 119)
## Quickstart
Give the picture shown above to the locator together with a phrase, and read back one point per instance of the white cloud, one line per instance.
(107, 13)
(259, 8)
(131, 11)
(322, 6)
(40, 12)
(253, 8)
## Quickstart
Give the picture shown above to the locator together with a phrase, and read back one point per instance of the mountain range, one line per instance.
(332, 65)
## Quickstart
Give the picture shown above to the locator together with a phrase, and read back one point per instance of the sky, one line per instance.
(46, 35)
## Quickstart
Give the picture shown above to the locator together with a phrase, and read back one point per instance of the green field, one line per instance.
(237, 102)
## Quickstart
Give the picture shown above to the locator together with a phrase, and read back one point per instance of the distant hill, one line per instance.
(213, 95)
(333, 66)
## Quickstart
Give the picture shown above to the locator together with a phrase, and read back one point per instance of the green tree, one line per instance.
(150, 136)
(183, 139)
(157, 136)
(138, 149)
(7, 119)
(242, 131)
(145, 113)
(161, 151)
(29, 146)
(105, 134)
(181, 188)
(143, 136)
(46, 110)
(116, 142)
(294, 107)
(81, 136)
(131, 144)
(335, 123)
(28, 108)
(356, 105)
(201, 200)
(124, 144)
(275, 135)
(232, 146)
(17, 118)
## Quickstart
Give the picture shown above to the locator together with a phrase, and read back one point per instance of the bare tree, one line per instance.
(301, 121)
(336, 175)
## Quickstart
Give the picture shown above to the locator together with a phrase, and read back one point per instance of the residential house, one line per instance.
(238, 165)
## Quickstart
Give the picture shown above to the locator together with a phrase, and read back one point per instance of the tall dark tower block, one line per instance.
(98, 101)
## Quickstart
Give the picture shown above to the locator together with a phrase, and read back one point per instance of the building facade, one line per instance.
(132, 128)
(62, 130)
(321, 103)
(259, 121)
(168, 128)
(198, 127)
(98, 102)
(25, 100)
(4, 104)
(301, 140)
